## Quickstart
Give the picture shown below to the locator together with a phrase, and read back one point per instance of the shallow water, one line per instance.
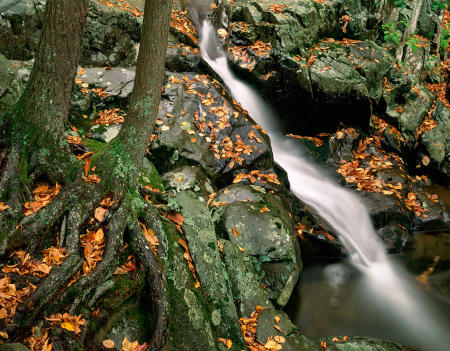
(333, 298)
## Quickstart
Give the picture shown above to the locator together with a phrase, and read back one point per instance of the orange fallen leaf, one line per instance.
(235, 232)
(99, 213)
(227, 342)
(3, 206)
(109, 344)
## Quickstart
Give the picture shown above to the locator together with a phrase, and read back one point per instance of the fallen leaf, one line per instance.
(99, 213)
(109, 344)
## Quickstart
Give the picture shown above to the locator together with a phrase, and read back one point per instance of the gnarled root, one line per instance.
(73, 207)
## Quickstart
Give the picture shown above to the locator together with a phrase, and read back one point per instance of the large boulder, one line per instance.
(200, 124)
(110, 34)
(261, 226)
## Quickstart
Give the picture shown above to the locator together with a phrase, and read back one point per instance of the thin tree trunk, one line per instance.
(41, 113)
(410, 28)
(138, 126)
(436, 43)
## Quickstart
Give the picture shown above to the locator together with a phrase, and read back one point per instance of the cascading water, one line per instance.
(340, 208)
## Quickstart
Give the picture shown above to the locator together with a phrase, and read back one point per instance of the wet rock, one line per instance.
(401, 206)
(110, 34)
(336, 83)
(202, 241)
(200, 124)
(189, 178)
(260, 225)
(9, 81)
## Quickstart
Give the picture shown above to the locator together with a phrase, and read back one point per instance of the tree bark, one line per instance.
(138, 126)
(410, 28)
(435, 44)
(41, 113)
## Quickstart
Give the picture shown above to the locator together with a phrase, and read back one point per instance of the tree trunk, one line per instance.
(41, 113)
(436, 43)
(410, 28)
(138, 126)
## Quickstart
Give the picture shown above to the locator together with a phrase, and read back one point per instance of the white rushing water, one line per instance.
(340, 208)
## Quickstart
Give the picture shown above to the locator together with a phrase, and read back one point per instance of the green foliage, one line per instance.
(391, 33)
(413, 43)
(439, 5)
(400, 3)
(445, 38)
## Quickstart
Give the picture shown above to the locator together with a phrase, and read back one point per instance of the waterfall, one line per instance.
(340, 208)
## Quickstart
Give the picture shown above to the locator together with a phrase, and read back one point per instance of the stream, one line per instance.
(380, 297)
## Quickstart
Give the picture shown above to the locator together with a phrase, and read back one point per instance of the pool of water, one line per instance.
(332, 298)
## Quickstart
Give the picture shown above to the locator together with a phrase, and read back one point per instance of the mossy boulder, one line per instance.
(258, 223)
(245, 283)
(190, 321)
(202, 241)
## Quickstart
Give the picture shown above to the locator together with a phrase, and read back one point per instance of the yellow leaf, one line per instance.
(68, 326)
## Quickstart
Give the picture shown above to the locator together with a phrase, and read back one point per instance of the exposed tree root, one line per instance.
(158, 285)
(73, 207)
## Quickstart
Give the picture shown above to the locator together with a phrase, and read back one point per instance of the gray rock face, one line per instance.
(261, 226)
